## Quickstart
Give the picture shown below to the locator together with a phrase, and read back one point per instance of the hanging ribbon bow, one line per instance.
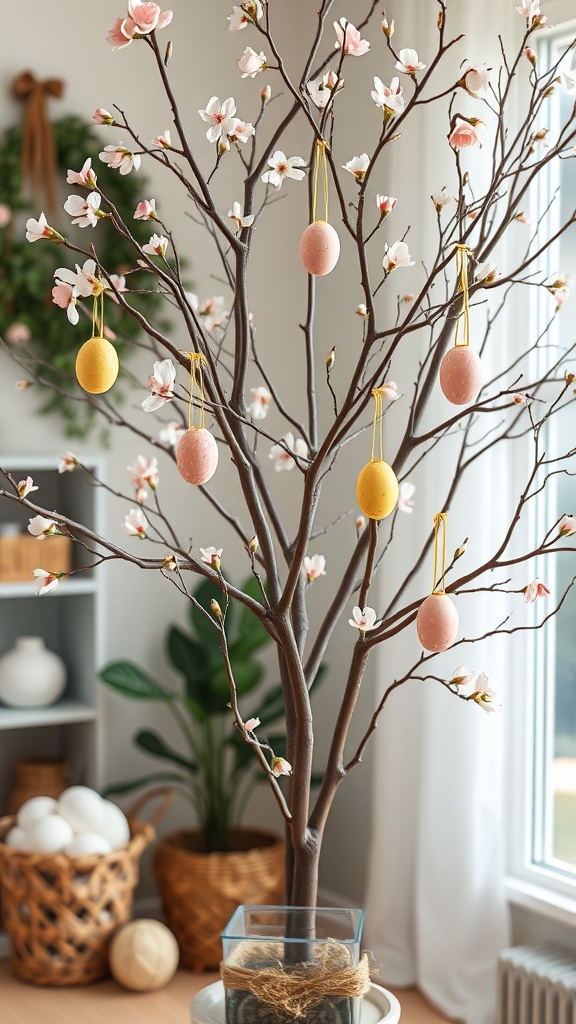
(38, 160)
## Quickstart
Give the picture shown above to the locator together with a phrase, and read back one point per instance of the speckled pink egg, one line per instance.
(197, 455)
(461, 375)
(319, 248)
(437, 623)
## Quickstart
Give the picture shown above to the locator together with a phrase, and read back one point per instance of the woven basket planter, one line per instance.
(200, 891)
(60, 912)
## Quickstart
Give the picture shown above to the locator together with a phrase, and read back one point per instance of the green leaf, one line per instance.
(145, 780)
(272, 706)
(206, 633)
(250, 635)
(152, 743)
(247, 675)
(133, 682)
(202, 682)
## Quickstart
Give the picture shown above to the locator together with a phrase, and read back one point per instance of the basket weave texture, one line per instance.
(60, 912)
(200, 891)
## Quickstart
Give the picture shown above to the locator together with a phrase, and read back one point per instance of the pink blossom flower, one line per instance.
(102, 116)
(466, 134)
(529, 8)
(84, 282)
(390, 97)
(247, 14)
(161, 384)
(388, 390)
(251, 724)
(243, 131)
(117, 37)
(441, 199)
(146, 210)
(396, 255)
(385, 204)
(314, 567)
(280, 766)
(348, 38)
(47, 581)
(156, 246)
(21, 385)
(25, 487)
(265, 94)
(135, 523)
(117, 281)
(171, 433)
(220, 117)
(145, 17)
(212, 557)
(475, 80)
(5, 215)
(259, 405)
(143, 472)
(163, 141)
(17, 333)
(358, 166)
(408, 63)
(120, 159)
(280, 453)
(484, 696)
(363, 619)
(409, 297)
(530, 55)
(487, 272)
(406, 492)
(84, 211)
(251, 63)
(567, 526)
(561, 288)
(63, 296)
(283, 167)
(36, 229)
(322, 88)
(534, 590)
(461, 675)
(67, 463)
(85, 176)
(40, 527)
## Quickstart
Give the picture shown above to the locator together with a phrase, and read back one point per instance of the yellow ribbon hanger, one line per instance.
(377, 425)
(98, 313)
(440, 520)
(321, 146)
(197, 361)
(462, 270)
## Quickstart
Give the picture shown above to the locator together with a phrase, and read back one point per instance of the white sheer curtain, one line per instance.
(435, 907)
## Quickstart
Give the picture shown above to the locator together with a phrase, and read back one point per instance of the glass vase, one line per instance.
(284, 964)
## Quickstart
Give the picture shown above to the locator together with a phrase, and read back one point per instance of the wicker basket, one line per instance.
(200, 891)
(60, 912)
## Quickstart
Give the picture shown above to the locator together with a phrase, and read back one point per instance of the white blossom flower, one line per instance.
(40, 527)
(220, 117)
(85, 176)
(322, 88)
(236, 214)
(135, 523)
(529, 8)
(143, 472)
(156, 246)
(396, 255)
(36, 229)
(408, 63)
(360, 524)
(566, 526)
(567, 79)
(163, 141)
(385, 204)
(441, 199)
(484, 696)
(280, 766)
(487, 272)
(67, 463)
(47, 581)
(103, 116)
(120, 159)
(212, 557)
(146, 210)
(361, 311)
(283, 167)
(475, 80)
(171, 433)
(280, 453)
(243, 131)
(406, 492)
(251, 63)
(63, 296)
(532, 591)
(251, 724)
(314, 567)
(17, 333)
(357, 166)
(161, 384)
(388, 390)
(246, 14)
(561, 288)
(348, 39)
(25, 487)
(259, 405)
(364, 619)
(462, 675)
(390, 97)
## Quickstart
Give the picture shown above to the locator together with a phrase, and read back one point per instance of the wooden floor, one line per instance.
(107, 1003)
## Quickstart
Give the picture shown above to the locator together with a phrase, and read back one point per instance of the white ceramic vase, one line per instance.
(378, 1007)
(31, 676)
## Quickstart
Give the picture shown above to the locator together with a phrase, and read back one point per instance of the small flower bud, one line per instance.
(549, 92)
(252, 724)
(265, 94)
(224, 145)
(253, 545)
(170, 562)
(330, 359)
(387, 27)
(215, 607)
(360, 524)
(361, 311)
(570, 378)
(461, 550)
(530, 55)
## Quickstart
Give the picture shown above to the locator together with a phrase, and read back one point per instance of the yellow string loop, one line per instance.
(377, 422)
(462, 270)
(197, 361)
(440, 520)
(98, 312)
(321, 146)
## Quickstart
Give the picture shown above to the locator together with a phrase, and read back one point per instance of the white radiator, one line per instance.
(536, 985)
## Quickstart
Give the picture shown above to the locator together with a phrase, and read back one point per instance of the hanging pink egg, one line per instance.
(461, 375)
(319, 248)
(437, 623)
(197, 455)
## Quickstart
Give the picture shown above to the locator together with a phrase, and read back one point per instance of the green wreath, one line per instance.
(27, 271)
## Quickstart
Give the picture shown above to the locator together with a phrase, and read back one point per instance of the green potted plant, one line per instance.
(203, 873)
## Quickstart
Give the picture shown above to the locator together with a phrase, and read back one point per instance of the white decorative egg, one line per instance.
(86, 843)
(17, 838)
(49, 835)
(143, 955)
(82, 808)
(115, 827)
(32, 810)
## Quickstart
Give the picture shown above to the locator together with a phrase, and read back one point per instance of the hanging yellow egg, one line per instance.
(461, 375)
(319, 248)
(377, 489)
(437, 623)
(97, 366)
(197, 455)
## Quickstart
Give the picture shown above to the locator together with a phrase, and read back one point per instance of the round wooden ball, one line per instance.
(437, 623)
(197, 455)
(377, 489)
(97, 366)
(143, 955)
(319, 248)
(461, 375)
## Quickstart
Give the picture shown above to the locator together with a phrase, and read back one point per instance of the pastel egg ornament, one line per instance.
(461, 375)
(437, 623)
(319, 248)
(97, 366)
(197, 455)
(377, 489)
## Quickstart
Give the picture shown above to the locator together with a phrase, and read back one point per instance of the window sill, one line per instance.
(541, 900)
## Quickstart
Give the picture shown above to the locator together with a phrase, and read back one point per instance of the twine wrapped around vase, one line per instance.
(294, 990)
(38, 161)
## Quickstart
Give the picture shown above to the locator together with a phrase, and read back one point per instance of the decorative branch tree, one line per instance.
(223, 353)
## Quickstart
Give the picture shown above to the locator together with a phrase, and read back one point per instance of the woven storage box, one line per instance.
(60, 912)
(200, 891)
(20, 555)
